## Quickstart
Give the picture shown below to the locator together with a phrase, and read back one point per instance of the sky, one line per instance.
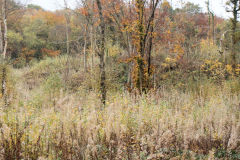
(216, 5)
(52, 5)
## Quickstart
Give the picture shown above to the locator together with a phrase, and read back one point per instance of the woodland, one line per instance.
(119, 80)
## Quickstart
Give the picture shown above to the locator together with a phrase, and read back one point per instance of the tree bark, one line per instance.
(4, 85)
(102, 54)
(235, 8)
(150, 50)
(4, 45)
(151, 28)
(143, 33)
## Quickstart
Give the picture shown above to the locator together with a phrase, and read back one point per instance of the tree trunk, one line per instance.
(1, 38)
(91, 46)
(4, 85)
(209, 23)
(213, 27)
(67, 36)
(84, 51)
(140, 48)
(5, 40)
(102, 55)
(150, 50)
(67, 26)
(140, 27)
(151, 23)
(142, 37)
(234, 26)
(129, 81)
(4, 44)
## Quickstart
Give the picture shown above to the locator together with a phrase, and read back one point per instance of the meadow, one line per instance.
(46, 119)
(120, 80)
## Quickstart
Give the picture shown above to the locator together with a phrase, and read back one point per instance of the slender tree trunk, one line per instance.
(140, 8)
(153, 8)
(129, 81)
(67, 36)
(67, 26)
(84, 51)
(4, 44)
(67, 19)
(4, 86)
(91, 39)
(209, 23)
(94, 48)
(140, 48)
(213, 27)
(1, 38)
(234, 9)
(68, 53)
(150, 50)
(5, 28)
(102, 54)
(234, 26)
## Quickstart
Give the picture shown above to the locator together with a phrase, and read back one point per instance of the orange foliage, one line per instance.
(26, 54)
(50, 17)
(50, 53)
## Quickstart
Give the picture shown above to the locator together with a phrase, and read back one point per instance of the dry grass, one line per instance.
(163, 125)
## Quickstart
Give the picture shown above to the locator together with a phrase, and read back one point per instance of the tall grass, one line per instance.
(161, 125)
